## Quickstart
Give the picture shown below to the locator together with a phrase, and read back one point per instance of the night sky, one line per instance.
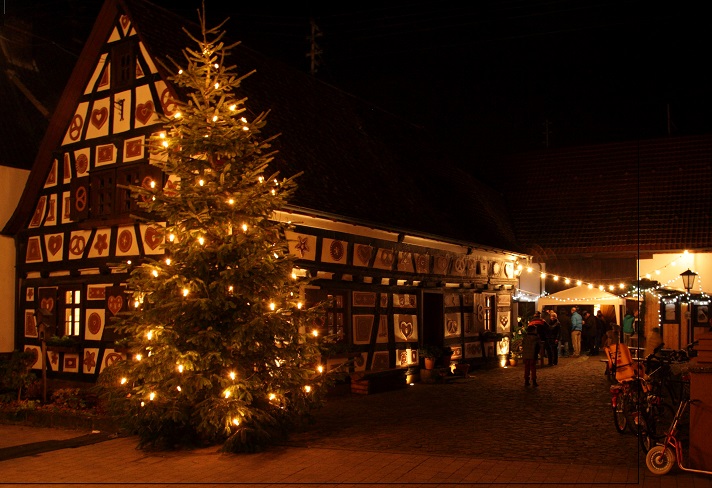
(494, 76)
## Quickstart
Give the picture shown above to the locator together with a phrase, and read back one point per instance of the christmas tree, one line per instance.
(222, 350)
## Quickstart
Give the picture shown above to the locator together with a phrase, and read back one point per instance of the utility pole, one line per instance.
(314, 50)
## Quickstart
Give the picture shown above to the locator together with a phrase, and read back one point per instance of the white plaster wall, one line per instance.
(666, 269)
(12, 183)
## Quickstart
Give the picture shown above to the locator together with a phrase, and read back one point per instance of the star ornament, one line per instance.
(302, 246)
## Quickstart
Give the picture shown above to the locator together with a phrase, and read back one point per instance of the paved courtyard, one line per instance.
(487, 429)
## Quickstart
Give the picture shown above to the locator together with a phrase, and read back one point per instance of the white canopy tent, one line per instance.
(582, 295)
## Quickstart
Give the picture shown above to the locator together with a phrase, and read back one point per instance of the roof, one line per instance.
(648, 195)
(359, 162)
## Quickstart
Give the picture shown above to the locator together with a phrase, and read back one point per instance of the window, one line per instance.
(333, 322)
(489, 311)
(71, 304)
(103, 186)
(123, 65)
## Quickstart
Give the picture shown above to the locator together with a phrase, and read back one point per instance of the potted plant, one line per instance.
(446, 356)
(462, 368)
(430, 353)
(63, 344)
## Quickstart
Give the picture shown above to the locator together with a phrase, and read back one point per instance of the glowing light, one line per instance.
(601, 287)
(315, 333)
(185, 292)
(307, 388)
(124, 380)
(567, 281)
(217, 85)
(227, 393)
(178, 388)
(171, 237)
(611, 287)
(215, 118)
(555, 278)
(155, 273)
(168, 261)
(165, 143)
(272, 396)
(299, 305)
(543, 275)
(230, 288)
(590, 286)
(320, 368)
(153, 184)
(216, 65)
(149, 335)
(244, 227)
(180, 71)
(180, 368)
(648, 276)
(271, 306)
(236, 421)
(232, 375)
(201, 240)
(231, 201)
(243, 120)
(674, 263)
(261, 179)
(657, 272)
(177, 115)
(579, 283)
(143, 404)
(152, 396)
(294, 275)
(138, 357)
(201, 182)
(233, 107)
(621, 285)
(273, 192)
(137, 304)
(529, 270)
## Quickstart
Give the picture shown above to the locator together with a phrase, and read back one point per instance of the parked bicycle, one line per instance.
(643, 399)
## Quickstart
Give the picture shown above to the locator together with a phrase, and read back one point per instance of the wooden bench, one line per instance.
(368, 382)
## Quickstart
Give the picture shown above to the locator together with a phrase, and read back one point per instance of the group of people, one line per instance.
(548, 337)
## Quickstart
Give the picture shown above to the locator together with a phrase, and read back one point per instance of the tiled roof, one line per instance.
(649, 195)
(359, 162)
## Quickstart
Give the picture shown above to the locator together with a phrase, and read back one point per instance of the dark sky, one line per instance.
(491, 76)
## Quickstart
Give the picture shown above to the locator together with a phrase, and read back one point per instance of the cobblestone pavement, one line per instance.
(490, 415)
(486, 430)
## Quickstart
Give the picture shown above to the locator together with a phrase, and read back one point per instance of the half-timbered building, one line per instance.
(410, 249)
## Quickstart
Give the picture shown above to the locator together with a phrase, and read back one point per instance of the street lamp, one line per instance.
(688, 279)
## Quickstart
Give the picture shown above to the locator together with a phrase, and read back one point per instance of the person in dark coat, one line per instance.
(530, 351)
(542, 328)
(590, 329)
(565, 346)
(553, 339)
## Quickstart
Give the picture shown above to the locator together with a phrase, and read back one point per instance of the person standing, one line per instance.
(576, 328)
(542, 328)
(530, 352)
(553, 339)
(590, 327)
(603, 327)
(565, 346)
(629, 326)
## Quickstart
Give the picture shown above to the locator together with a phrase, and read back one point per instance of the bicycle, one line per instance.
(662, 458)
(656, 411)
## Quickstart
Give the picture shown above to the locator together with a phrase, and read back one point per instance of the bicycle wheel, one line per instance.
(620, 420)
(660, 460)
(631, 410)
(653, 422)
